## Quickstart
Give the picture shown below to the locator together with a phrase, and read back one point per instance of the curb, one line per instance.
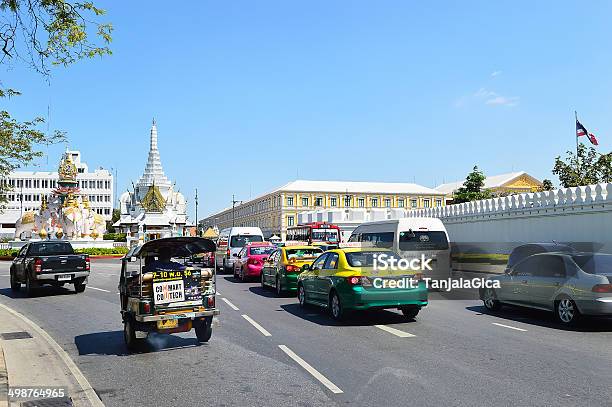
(3, 380)
(76, 373)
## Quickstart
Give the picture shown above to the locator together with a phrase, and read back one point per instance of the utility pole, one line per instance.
(196, 214)
(234, 202)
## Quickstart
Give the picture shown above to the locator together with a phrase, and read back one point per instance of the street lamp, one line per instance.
(196, 213)
(234, 202)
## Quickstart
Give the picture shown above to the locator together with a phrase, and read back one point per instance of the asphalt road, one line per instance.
(267, 351)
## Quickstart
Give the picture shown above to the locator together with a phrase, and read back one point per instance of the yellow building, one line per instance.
(275, 211)
(503, 184)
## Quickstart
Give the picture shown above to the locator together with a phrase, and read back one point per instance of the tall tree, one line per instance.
(473, 188)
(584, 168)
(40, 34)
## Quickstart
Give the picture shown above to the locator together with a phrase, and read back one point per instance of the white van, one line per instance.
(231, 241)
(410, 237)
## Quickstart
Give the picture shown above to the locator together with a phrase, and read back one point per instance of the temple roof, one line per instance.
(153, 172)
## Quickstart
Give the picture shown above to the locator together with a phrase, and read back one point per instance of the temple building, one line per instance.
(153, 209)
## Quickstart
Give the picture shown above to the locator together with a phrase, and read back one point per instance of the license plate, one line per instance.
(167, 324)
(64, 277)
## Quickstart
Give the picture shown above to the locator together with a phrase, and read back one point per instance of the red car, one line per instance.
(249, 261)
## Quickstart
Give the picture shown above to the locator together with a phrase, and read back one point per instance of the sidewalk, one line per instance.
(30, 358)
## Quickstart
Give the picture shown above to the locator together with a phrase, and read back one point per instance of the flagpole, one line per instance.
(576, 134)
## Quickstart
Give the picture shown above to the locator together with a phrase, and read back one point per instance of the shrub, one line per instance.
(117, 237)
(97, 251)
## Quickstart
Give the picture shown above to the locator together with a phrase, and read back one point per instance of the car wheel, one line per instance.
(15, 285)
(490, 300)
(263, 281)
(235, 274)
(79, 287)
(241, 275)
(279, 289)
(203, 330)
(335, 307)
(410, 312)
(29, 286)
(129, 335)
(302, 296)
(566, 311)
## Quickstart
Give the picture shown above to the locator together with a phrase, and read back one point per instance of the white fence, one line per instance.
(580, 214)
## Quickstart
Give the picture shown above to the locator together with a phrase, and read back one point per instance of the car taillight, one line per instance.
(602, 288)
(253, 262)
(210, 301)
(227, 253)
(87, 263)
(292, 268)
(146, 308)
(359, 280)
(38, 265)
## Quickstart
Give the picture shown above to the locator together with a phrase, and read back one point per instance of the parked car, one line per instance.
(249, 261)
(230, 242)
(49, 262)
(342, 280)
(281, 268)
(570, 284)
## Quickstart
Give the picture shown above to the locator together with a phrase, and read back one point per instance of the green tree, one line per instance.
(472, 189)
(585, 168)
(114, 218)
(547, 185)
(40, 34)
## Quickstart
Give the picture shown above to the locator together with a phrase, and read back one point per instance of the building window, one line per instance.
(289, 201)
(374, 202)
(361, 202)
(426, 203)
(333, 201)
(304, 201)
(400, 203)
(387, 202)
(318, 201)
(413, 203)
(438, 202)
(290, 221)
(347, 201)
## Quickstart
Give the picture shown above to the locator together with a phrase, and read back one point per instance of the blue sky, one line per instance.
(249, 95)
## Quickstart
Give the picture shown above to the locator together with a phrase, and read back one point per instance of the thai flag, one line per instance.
(582, 131)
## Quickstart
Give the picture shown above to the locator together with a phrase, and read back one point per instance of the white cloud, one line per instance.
(503, 101)
(495, 73)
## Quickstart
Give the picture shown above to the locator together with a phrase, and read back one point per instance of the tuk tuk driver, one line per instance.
(164, 261)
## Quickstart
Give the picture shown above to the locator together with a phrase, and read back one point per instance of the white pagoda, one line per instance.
(153, 209)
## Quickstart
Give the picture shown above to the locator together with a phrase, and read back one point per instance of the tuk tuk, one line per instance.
(161, 291)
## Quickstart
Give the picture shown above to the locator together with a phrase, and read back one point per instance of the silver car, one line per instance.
(569, 284)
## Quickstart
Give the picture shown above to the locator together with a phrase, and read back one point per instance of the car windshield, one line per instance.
(243, 240)
(421, 240)
(51, 249)
(257, 251)
(594, 263)
(366, 258)
(303, 253)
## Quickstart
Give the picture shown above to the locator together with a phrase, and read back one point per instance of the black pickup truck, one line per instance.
(49, 262)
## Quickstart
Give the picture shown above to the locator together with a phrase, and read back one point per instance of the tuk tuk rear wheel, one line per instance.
(129, 335)
(203, 329)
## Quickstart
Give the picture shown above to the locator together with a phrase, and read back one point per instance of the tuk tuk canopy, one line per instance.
(179, 246)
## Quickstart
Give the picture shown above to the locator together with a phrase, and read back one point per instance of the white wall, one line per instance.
(580, 214)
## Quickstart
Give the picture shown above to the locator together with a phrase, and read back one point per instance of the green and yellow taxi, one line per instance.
(282, 267)
(346, 279)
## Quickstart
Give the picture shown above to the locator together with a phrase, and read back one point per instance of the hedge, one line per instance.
(117, 237)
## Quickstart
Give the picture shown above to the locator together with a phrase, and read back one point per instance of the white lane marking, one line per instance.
(510, 327)
(99, 289)
(218, 292)
(314, 372)
(232, 306)
(256, 325)
(78, 375)
(395, 332)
